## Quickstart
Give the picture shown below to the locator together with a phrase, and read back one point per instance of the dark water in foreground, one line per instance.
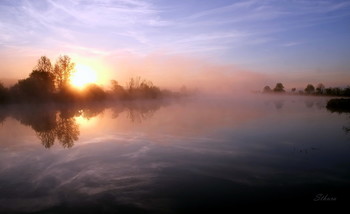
(192, 156)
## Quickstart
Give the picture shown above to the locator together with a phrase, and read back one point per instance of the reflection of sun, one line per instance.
(83, 121)
(83, 75)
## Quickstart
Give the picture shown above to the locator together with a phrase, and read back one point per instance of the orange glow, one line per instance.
(85, 122)
(83, 76)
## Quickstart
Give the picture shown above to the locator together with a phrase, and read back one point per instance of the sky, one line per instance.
(223, 42)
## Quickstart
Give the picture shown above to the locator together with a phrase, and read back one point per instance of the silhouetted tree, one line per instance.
(267, 89)
(279, 88)
(309, 89)
(346, 91)
(93, 92)
(44, 64)
(328, 91)
(3, 94)
(137, 88)
(117, 90)
(62, 71)
(335, 91)
(39, 86)
(293, 90)
(44, 79)
(320, 88)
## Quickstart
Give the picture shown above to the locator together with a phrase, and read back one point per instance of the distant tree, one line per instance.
(279, 88)
(117, 90)
(293, 90)
(3, 93)
(93, 93)
(346, 91)
(62, 71)
(148, 90)
(328, 91)
(336, 91)
(44, 64)
(320, 88)
(267, 89)
(309, 89)
(133, 84)
(137, 88)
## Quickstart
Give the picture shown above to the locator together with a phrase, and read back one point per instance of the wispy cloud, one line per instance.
(291, 44)
(106, 27)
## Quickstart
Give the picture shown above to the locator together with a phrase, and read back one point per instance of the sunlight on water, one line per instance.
(85, 122)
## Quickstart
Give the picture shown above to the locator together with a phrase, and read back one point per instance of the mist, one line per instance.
(174, 71)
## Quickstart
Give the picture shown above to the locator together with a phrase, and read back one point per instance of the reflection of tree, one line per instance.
(309, 103)
(57, 122)
(278, 104)
(67, 131)
(47, 138)
(90, 112)
(340, 106)
(50, 124)
(3, 115)
(137, 116)
(138, 112)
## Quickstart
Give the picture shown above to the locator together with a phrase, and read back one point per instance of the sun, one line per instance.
(83, 75)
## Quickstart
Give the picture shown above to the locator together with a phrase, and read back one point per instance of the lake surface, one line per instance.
(180, 156)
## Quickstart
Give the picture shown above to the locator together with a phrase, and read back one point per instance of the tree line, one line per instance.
(310, 89)
(48, 82)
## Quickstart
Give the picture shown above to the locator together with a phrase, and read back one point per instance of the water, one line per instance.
(191, 155)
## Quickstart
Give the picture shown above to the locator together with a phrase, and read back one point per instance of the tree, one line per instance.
(279, 88)
(44, 79)
(3, 93)
(267, 89)
(93, 92)
(320, 88)
(309, 89)
(44, 64)
(39, 86)
(293, 90)
(137, 88)
(117, 90)
(346, 91)
(62, 71)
